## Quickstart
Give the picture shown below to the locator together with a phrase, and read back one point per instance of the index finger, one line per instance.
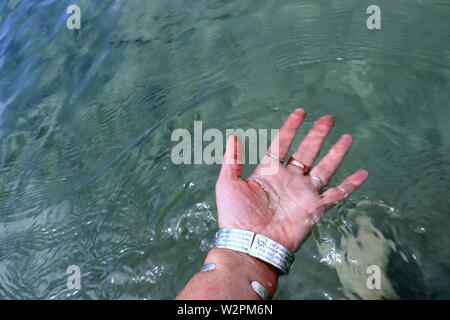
(281, 144)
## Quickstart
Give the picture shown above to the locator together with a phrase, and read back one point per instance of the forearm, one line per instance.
(231, 279)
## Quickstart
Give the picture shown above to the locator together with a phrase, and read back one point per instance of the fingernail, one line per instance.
(208, 267)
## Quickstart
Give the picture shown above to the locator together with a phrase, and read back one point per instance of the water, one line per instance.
(86, 116)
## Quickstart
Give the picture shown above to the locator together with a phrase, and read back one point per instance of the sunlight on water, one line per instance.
(86, 117)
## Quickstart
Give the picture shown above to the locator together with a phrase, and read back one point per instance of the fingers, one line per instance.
(347, 187)
(329, 164)
(233, 160)
(309, 148)
(282, 142)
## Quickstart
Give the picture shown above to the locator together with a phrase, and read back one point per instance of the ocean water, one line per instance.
(86, 117)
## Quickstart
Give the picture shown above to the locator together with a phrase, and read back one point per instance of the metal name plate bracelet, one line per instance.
(257, 246)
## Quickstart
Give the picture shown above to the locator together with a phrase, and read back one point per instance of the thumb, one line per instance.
(233, 160)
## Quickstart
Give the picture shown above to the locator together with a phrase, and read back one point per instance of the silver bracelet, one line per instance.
(257, 246)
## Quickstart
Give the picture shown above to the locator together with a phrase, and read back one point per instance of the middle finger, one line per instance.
(309, 148)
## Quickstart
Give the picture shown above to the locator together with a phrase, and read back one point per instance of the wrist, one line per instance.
(256, 245)
(244, 266)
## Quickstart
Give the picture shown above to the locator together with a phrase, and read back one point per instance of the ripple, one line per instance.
(86, 117)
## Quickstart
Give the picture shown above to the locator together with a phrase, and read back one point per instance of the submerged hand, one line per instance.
(283, 203)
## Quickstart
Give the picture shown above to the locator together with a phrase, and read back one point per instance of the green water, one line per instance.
(86, 117)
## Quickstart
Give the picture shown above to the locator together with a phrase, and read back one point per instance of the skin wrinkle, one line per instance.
(316, 214)
(266, 192)
(271, 191)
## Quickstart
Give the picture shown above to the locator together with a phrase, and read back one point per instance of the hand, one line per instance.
(282, 203)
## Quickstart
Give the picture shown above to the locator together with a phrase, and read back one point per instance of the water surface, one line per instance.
(86, 117)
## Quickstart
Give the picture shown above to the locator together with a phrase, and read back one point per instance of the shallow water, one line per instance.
(86, 117)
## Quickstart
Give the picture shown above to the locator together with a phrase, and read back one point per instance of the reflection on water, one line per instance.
(86, 116)
(354, 255)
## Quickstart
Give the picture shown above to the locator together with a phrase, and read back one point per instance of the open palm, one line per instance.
(282, 203)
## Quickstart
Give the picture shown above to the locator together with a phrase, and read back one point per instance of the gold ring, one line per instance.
(306, 169)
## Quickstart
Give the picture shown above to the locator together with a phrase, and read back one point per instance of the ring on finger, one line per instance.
(342, 191)
(319, 181)
(275, 157)
(306, 169)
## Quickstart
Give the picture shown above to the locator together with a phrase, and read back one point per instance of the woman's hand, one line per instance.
(282, 203)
